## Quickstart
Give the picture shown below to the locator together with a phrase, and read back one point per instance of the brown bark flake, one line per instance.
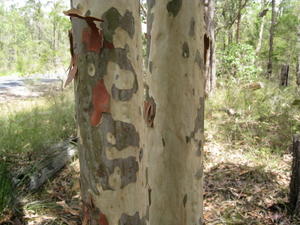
(103, 219)
(100, 102)
(149, 111)
(72, 70)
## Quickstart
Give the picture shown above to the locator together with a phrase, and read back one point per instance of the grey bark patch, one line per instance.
(174, 7)
(120, 57)
(125, 133)
(128, 167)
(150, 4)
(113, 19)
(192, 27)
(187, 139)
(163, 142)
(199, 148)
(184, 200)
(141, 155)
(149, 196)
(198, 59)
(132, 220)
(199, 174)
(88, 13)
(185, 50)
(111, 22)
(127, 23)
(150, 66)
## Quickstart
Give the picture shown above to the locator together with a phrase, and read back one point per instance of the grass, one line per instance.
(262, 119)
(28, 127)
(32, 125)
(247, 158)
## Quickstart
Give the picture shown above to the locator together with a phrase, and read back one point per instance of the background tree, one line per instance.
(271, 40)
(209, 47)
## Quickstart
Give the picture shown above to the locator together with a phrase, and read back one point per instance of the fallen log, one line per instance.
(55, 159)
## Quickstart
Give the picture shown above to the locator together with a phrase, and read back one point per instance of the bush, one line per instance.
(237, 63)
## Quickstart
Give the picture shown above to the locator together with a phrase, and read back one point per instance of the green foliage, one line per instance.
(33, 37)
(237, 62)
(264, 119)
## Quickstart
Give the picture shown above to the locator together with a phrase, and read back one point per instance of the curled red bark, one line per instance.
(100, 101)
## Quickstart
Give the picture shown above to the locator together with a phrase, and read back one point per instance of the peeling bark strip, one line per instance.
(72, 70)
(91, 36)
(149, 112)
(100, 102)
(73, 64)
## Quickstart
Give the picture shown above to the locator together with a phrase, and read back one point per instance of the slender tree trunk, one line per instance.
(294, 198)
(109, 97)
(238, 22)
(174, 110)
(298, 61)
(260, 38)
(209, 48)
(284, 75)
(270, 63)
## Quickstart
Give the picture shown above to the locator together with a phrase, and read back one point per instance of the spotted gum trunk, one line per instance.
(174, 111)
(107, 66)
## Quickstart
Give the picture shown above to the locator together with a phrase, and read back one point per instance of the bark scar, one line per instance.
(149, 111)
(100, 101)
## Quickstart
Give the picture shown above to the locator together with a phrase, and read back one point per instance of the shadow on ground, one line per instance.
(238, 194)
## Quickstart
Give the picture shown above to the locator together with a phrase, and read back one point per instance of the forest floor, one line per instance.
(247, 164)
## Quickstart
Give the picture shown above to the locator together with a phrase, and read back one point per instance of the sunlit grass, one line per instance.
(32, 125)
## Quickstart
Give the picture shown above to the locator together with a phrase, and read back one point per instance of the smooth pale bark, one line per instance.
(262, 15)
(209, 48)
(174, 111)
(260, 38)
(109, 98)
(271, 39)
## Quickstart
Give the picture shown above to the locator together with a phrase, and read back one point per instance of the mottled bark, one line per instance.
(209, 48)
(109, 97)
(271, 39)
(174, 111)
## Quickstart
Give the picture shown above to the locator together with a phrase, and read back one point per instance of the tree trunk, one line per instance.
(262, 15)
(174, 111)
(108, 95)
(298, 61)
(284, 75)
(260, 38)
(238, 22)
(295, 177)
(270, 63)
(298, 70)
(209, 48)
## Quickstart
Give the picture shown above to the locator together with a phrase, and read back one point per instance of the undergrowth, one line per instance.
(263, 119)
